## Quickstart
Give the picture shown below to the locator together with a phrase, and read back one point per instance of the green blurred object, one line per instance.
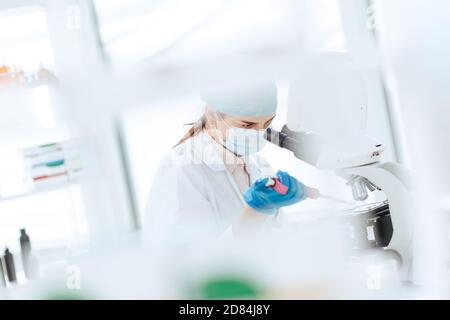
(55, 163)
(51, 164)
(67, 296)
(228, 287)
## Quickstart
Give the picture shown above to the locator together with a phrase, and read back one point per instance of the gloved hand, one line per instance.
(267, 200)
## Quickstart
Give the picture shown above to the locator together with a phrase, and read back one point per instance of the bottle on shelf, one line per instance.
(29, 262)
(10, 267)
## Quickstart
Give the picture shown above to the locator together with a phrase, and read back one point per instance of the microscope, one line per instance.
(326, 128)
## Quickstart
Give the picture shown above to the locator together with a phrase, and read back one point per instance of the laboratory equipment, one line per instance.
(328, 131)
(10, 267)
(312, 193)
(375, 223)
(13, 76)
(268, 199)
(25, 244)
(53, 164)
(29, 262)
(276, 184)
(2, 274)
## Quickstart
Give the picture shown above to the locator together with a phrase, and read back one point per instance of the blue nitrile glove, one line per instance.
(267, 200)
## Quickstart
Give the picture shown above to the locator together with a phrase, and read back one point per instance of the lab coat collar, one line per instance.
(206, 152)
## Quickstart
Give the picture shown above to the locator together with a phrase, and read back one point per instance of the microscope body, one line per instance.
(394, 180)
(358, 160)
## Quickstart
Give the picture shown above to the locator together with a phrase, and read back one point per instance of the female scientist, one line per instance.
(213, 181)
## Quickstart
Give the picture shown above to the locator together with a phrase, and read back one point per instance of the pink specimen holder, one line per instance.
(279, 187)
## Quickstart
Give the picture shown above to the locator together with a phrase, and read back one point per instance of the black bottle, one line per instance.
(10, 268)
(25, 246)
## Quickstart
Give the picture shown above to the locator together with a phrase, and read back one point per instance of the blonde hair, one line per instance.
(196, 128)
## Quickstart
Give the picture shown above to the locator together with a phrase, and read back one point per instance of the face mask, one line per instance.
(244, 142)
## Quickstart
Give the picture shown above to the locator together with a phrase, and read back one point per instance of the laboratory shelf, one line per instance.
(13, 87)
(40, 190)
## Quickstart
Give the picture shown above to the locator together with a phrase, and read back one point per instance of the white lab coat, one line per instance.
(194, 193)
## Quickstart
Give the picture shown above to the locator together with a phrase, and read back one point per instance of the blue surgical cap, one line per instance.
(246, 101)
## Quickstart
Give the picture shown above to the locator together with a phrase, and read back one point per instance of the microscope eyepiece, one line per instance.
(306, 146)
(275, 137)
